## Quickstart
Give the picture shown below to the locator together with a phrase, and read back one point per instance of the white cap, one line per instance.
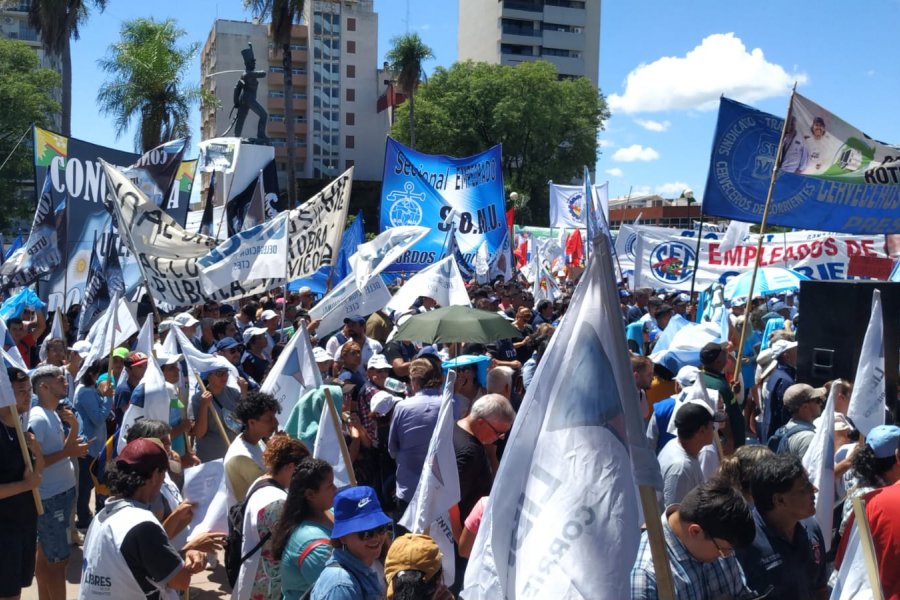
(251, 332)
(320, 355)
(167, 359)
(184, 320)
(782, 346)
(382, 402)
(378, 361)
(268, 314)
(82, 347)
(687, 375)
(304, 290)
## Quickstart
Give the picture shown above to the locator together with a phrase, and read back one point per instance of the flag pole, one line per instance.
(762, 231)
(868, 548)
(665, 586)
(215, 415)
(20, 435)
(345, 453)
(696, 261)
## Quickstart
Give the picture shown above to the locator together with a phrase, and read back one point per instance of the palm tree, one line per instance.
(147, 69)
(406, 57)
(284, 13)
(56, 22)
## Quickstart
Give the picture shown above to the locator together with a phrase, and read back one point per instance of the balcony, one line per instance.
(564, 40)
(576, 17)
(298, 57)
(276, 80)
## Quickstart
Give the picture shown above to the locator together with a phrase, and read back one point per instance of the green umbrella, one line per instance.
(457, 324)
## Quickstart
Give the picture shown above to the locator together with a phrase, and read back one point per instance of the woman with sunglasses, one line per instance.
(359, 533)
(301, 539)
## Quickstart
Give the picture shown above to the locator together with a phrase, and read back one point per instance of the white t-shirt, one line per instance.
(255, 506)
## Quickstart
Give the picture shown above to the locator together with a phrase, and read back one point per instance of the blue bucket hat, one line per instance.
(884, 440)
(357, 509)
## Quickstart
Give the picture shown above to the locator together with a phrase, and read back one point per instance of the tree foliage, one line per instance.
(25, 96)
(547, 126)
(147, 86)
(406, 56)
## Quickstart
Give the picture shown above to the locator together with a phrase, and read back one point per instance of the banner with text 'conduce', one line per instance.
(442, 192)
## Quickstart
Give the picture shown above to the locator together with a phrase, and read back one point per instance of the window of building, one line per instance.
(351, 47)
(516, 49)
(350, 142)
(519, 27)
(351, 24)
(351, 71)
(351, 95)
(350, 118)
(349, 163)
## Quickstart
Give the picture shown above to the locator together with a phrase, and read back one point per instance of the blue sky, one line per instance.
(663, 66)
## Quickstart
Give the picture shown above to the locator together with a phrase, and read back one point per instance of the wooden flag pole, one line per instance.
(762, 232)
(665, 585)
(212, 410)
(868, 548)
(345, 453)
(35, 494)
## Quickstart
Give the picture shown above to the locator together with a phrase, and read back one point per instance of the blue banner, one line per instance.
(424, 189)
(743, 155)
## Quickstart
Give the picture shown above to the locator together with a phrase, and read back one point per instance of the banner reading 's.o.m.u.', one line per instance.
(462, 195)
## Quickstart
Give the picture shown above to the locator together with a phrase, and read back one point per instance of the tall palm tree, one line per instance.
(284, 13)
(406, 57)
(147, 82)
(56, 23)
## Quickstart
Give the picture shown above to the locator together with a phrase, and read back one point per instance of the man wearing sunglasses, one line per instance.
(804, 403)
(232, 351)
(701, 534)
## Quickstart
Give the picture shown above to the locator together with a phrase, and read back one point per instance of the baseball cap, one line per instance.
(184, 319)
(321, 355)
(382, 402)
(15, 374)
(799, 394)
(226, 343)
(687, 375)
(378, 361)
(143, 456)
(217, 363)
(624, 293)
(135, 359)
(167, 359)
(252, 332)
(82, 347)
(739, 302)
(356, 319)
(841, 423)
(357, 509)
(121, 352)
(779, 305)
(268, 314)
(782, 346)
(711, 352)
(225, 310)
(412, 552)
(695, 412)
(884, 440)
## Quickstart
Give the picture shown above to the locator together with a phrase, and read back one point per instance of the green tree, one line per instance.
(284, 13)
(406, 56)
(548, 126)
(147, 82)
(56, 22)
(24, 91)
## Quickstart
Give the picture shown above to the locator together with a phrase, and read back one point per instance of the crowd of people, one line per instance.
(736, 504)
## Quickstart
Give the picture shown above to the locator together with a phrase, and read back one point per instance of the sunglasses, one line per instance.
(371, 533)
(500, 434)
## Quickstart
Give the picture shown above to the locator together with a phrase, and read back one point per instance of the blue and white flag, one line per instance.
(294, 373)
(441, 282)
(568, 206)
(438, 488)
(110, 331)
(154, 401)
(346, 300)
(545, 286)
(198, 362)
(571, 465)
(15, 245)
(895, 274)
(867, 400)
(389, 246)
(259, 253)
(819, 463)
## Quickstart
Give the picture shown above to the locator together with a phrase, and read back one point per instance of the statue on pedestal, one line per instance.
(245, 96)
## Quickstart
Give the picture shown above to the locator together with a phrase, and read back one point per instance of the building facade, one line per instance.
(654, 210)
(563, 32)
(336, 85)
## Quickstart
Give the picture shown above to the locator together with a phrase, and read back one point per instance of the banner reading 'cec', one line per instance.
(424, 189)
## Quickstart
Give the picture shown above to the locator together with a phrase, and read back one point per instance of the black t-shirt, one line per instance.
(395, 349)
(525, 352)
(475, 477)
(17, 513)
(502, 350)
(150, 556)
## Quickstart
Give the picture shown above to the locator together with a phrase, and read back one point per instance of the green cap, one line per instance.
(121, 353)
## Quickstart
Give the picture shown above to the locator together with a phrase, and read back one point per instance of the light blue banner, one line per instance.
(424, 189)
(743, 155)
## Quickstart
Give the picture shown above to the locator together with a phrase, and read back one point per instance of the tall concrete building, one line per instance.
(14, 26)
(563, 32)
(336, 85)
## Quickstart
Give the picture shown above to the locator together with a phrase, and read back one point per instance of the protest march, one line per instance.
(295, 403)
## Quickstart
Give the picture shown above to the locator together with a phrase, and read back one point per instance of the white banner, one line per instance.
(295, 373)
(568, 208)
(819, 463)
(441, 281)
(866, 408)
(373, 257)
(346, 300)
(667, 261)
(258, 253)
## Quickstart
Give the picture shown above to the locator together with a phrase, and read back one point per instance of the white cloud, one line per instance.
(721, 64)
(425, 27)
(671, 189)
(651, 125)
(606, 143)
(640, 190)
(614, 172)
(635, 152)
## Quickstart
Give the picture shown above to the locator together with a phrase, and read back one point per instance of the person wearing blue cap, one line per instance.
(358, 535)
(232, 351)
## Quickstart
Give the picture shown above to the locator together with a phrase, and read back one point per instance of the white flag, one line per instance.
(197, 361)
(545, 286)
(441, 281)
(294, 373)
(867, 406)
(12, 355)
(328, 446)
(109, 331)
(374, 257)
(438, 488)
(7, 396)
(735, 234)
(853, 578)
(567, 206)
(253, 255)
(482, 264)
(563, 517)
(819, 463)
(156, 400)
(502, 265)
(347, 300)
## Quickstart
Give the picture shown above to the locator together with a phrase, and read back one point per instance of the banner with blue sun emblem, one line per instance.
(460, 195)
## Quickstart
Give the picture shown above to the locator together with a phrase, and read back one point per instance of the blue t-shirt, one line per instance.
(298, 577)
(47, 428)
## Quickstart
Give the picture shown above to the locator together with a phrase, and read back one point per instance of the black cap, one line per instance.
(711, 352)
(693, 415)
(15, 374)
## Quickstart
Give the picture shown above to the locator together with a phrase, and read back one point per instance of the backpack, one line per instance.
(235, 540)
(779, 440)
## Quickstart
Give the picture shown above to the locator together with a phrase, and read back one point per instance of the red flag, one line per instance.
(521, 253)
(575, 248)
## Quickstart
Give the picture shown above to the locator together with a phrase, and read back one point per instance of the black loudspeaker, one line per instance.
(834, 316)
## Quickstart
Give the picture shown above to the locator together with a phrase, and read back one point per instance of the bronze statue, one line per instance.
(245, 96)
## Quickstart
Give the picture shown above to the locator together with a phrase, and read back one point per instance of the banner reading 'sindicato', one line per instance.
(442, 192)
